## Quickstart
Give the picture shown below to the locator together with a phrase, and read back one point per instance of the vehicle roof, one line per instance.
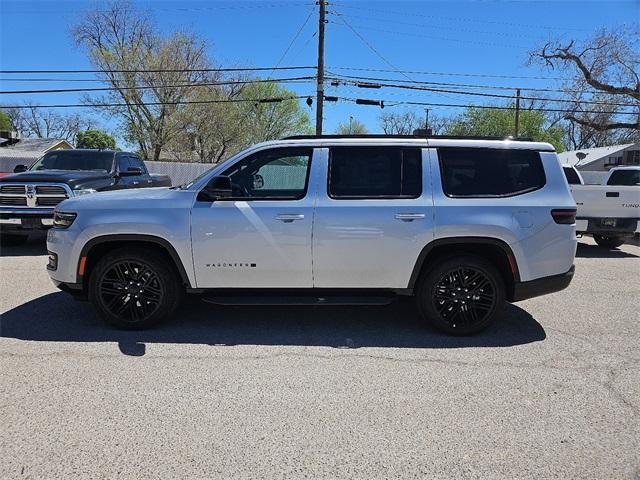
(628, 167)
(381, 140)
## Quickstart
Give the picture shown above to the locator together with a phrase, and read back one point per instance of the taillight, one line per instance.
(565, 216)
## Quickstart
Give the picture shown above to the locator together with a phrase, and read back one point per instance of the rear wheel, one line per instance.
(12, 239)
(133, 289)
(608, 242)
(462, 295)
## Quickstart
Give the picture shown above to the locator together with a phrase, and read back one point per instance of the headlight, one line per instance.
(83, 191)
(63, 219)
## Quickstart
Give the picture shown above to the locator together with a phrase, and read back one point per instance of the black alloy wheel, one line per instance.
(133, 288)
(464, 296)
(461, 295)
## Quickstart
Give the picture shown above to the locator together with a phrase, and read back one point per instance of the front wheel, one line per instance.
(134, 289)
(462, 295)
(608, 242)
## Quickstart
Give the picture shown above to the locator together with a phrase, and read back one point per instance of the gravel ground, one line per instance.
(551, 392)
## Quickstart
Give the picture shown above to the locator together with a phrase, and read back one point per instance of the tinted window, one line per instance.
(624, 177)
(127, 162)
(572, 176)
(75, 160)
(375, 172)
(279, 173)
(486, 172)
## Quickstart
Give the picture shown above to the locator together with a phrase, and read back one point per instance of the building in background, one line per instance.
(24, 151)
(602, 159)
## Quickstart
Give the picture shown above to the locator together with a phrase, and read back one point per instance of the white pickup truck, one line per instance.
(610, 212)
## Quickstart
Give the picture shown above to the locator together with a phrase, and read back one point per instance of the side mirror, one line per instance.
(20, 169)
(131, 172)
(217, 188)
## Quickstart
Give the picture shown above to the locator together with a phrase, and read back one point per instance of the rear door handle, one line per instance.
(409, 217)
(289, 217)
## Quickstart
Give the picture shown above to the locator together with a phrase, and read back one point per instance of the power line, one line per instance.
(459, 19)
(176, 70)
(150, 87)
(295, 37)
(445, 39)
(252, 5)
(141, 104)
(497, 95)
(385, 103)
(466, 85)
(448, 74)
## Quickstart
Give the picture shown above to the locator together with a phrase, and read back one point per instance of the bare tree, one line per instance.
(33, 121)
(605, 69)
(404, 123)
(152, 75)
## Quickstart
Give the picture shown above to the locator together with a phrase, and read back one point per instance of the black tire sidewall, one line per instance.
(608, 242)
(166, 275)
(428, 283)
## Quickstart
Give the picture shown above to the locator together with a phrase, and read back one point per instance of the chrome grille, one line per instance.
(49, 201)
(12, 189)
(14, 201)
(51, 190)
(33, 195)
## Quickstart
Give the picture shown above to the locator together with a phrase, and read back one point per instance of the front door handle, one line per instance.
(289, 217)
(409, 217)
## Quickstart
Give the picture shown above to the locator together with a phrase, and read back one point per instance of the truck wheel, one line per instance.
(11, 240)
(134, 289)
(462, 295)
(608, 242)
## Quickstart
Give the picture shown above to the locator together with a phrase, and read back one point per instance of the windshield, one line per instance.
(75, 160)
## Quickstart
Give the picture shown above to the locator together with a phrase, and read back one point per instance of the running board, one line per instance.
(297, 300)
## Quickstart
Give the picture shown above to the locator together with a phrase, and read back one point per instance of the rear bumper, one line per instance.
(542, 286)
(622, 227)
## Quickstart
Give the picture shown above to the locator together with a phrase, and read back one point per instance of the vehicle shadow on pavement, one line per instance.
(57, 317)
(36, 245)
(593, 251)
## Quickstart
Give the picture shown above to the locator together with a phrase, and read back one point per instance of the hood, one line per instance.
(73, 178)
(121, 198)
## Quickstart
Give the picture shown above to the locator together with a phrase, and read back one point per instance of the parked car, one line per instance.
(28, 197)
(609, 212)
(462, 225)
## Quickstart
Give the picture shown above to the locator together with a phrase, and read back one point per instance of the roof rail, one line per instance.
(446, 137)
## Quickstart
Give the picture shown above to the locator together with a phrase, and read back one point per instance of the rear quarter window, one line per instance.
(572, 176)
(487, 172)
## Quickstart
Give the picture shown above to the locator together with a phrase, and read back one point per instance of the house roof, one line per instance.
(592, 154)
(26, 151)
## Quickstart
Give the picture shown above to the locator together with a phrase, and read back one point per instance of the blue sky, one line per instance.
(464, 37)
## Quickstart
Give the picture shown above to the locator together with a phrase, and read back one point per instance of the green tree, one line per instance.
(352, 127)
(501, 122)
(95, 139)
(5, 122)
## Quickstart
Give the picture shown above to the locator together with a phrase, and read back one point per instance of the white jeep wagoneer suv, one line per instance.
(463, 225)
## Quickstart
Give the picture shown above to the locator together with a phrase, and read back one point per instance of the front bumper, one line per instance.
(76, 290)
(26, 219)
(542, 286)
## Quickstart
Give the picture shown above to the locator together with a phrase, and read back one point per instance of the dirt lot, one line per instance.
(551, 392)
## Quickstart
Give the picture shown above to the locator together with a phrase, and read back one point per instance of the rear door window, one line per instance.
(490, 172)
(375, 172)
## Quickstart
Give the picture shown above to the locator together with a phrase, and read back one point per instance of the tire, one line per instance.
(444, 303)
(12, 239)
(608, 242)
(117, 287)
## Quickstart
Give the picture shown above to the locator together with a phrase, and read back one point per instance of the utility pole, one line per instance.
(320, 70)
(517, 112)
(426, 120)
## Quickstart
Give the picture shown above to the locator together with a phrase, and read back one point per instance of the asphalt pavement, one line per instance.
(553, 391)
